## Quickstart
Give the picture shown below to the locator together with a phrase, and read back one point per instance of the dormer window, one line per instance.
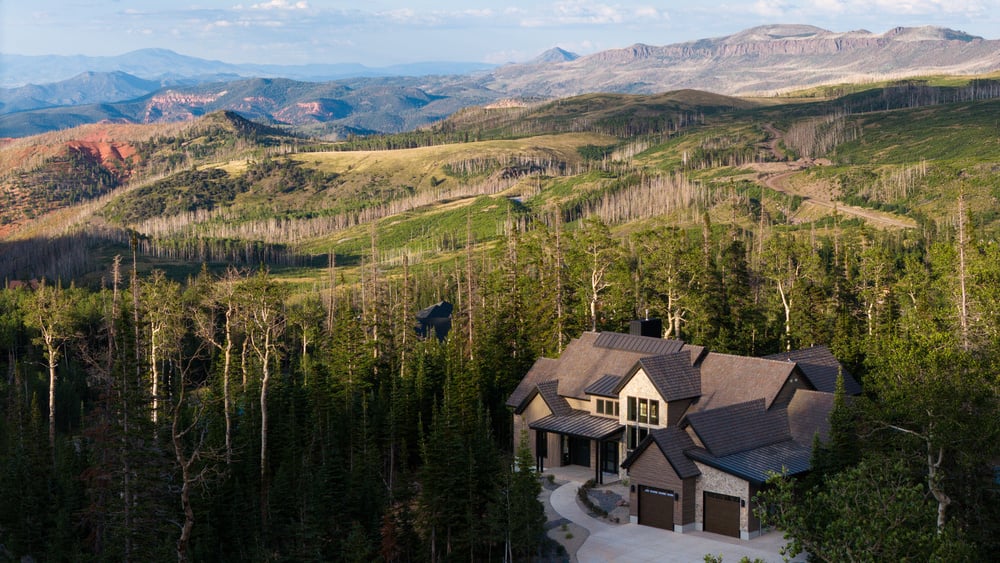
(608, 407)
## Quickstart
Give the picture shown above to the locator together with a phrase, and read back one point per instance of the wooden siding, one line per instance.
(653, 469)
(535, 410)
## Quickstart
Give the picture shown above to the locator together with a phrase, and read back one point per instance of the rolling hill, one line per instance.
(222, 189)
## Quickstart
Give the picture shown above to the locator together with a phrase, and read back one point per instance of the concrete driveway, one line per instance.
(631, 542)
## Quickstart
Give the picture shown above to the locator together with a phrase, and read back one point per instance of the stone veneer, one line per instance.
(715, 481)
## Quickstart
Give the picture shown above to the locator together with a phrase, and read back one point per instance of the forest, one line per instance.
(203, 398)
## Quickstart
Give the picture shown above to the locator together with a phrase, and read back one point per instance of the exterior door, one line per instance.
(610, 453)
(656, 508)
(722, 514)
(579, 451)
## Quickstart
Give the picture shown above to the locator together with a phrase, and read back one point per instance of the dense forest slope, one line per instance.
(221, 317)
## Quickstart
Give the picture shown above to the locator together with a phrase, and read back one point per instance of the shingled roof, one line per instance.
(673, 442)
(728, 380)
(589, 358)
(672, 374)
(740, 427)
(820, 367)
(549, 390)
(809, 415)
(543, 370)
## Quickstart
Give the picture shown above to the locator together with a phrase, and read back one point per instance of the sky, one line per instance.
(385, 32)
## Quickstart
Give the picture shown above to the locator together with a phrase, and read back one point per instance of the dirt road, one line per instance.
(776, 175)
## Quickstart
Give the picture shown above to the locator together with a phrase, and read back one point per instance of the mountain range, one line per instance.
(157, 85)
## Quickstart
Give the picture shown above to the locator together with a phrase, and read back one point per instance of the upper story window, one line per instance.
(608, 407)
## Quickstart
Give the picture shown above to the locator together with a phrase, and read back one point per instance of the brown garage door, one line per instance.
(722, 514)
(656, 508)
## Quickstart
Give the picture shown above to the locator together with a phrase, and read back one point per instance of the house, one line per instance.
(696, 432)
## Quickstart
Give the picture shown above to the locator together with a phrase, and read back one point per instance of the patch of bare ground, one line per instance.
(790, 177)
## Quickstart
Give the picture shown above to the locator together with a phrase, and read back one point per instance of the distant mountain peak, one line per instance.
(929, 33)
(554, 55)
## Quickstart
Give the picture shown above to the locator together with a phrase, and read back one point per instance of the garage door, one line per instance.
(722, 514)
(656, 508)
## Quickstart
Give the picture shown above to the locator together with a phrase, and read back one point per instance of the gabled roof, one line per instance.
(809, 414)
(756, 464)
(728, 380)
(579, 424)
(542, 370)
(604, 387)
(549, 390)
(672, 442)
(672, 374)
(740, 427)
(820, 367)
(589, 358)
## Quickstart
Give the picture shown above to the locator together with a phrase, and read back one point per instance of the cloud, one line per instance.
(279, 5)
(776, 8)
(588, 12)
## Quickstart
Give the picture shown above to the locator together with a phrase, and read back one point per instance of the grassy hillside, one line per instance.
(637, 162)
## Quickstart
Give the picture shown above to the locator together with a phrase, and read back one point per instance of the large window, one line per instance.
(635, 435)
(641, 412)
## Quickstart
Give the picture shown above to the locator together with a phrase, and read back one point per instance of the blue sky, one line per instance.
(383, 32)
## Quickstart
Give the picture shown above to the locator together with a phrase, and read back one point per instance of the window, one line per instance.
(617, 411)
(631, 408)
(643, 411)
(636, 435)
(654, 412)
(600, 406)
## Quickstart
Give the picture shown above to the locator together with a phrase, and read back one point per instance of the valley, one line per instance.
(224, 288)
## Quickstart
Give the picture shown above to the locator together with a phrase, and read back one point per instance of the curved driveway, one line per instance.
(631, 542)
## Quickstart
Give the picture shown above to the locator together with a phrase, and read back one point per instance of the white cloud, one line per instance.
(589, 12)
(279, 5)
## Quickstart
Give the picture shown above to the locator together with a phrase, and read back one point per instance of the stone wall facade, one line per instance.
(715, 481)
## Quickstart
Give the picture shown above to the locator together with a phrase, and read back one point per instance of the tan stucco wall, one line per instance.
(715, 481)
(536, 410)
(641, 387)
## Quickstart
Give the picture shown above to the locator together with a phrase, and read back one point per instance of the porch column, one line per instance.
(599, 474)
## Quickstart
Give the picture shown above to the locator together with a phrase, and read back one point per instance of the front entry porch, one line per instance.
(586, 441)
(579, 474)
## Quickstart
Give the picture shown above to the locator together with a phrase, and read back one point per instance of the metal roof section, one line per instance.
(757, 464)
(641, 344)
(604, 387)
(580, 424)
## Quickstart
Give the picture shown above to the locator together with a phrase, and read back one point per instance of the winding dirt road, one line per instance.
(776, 175)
